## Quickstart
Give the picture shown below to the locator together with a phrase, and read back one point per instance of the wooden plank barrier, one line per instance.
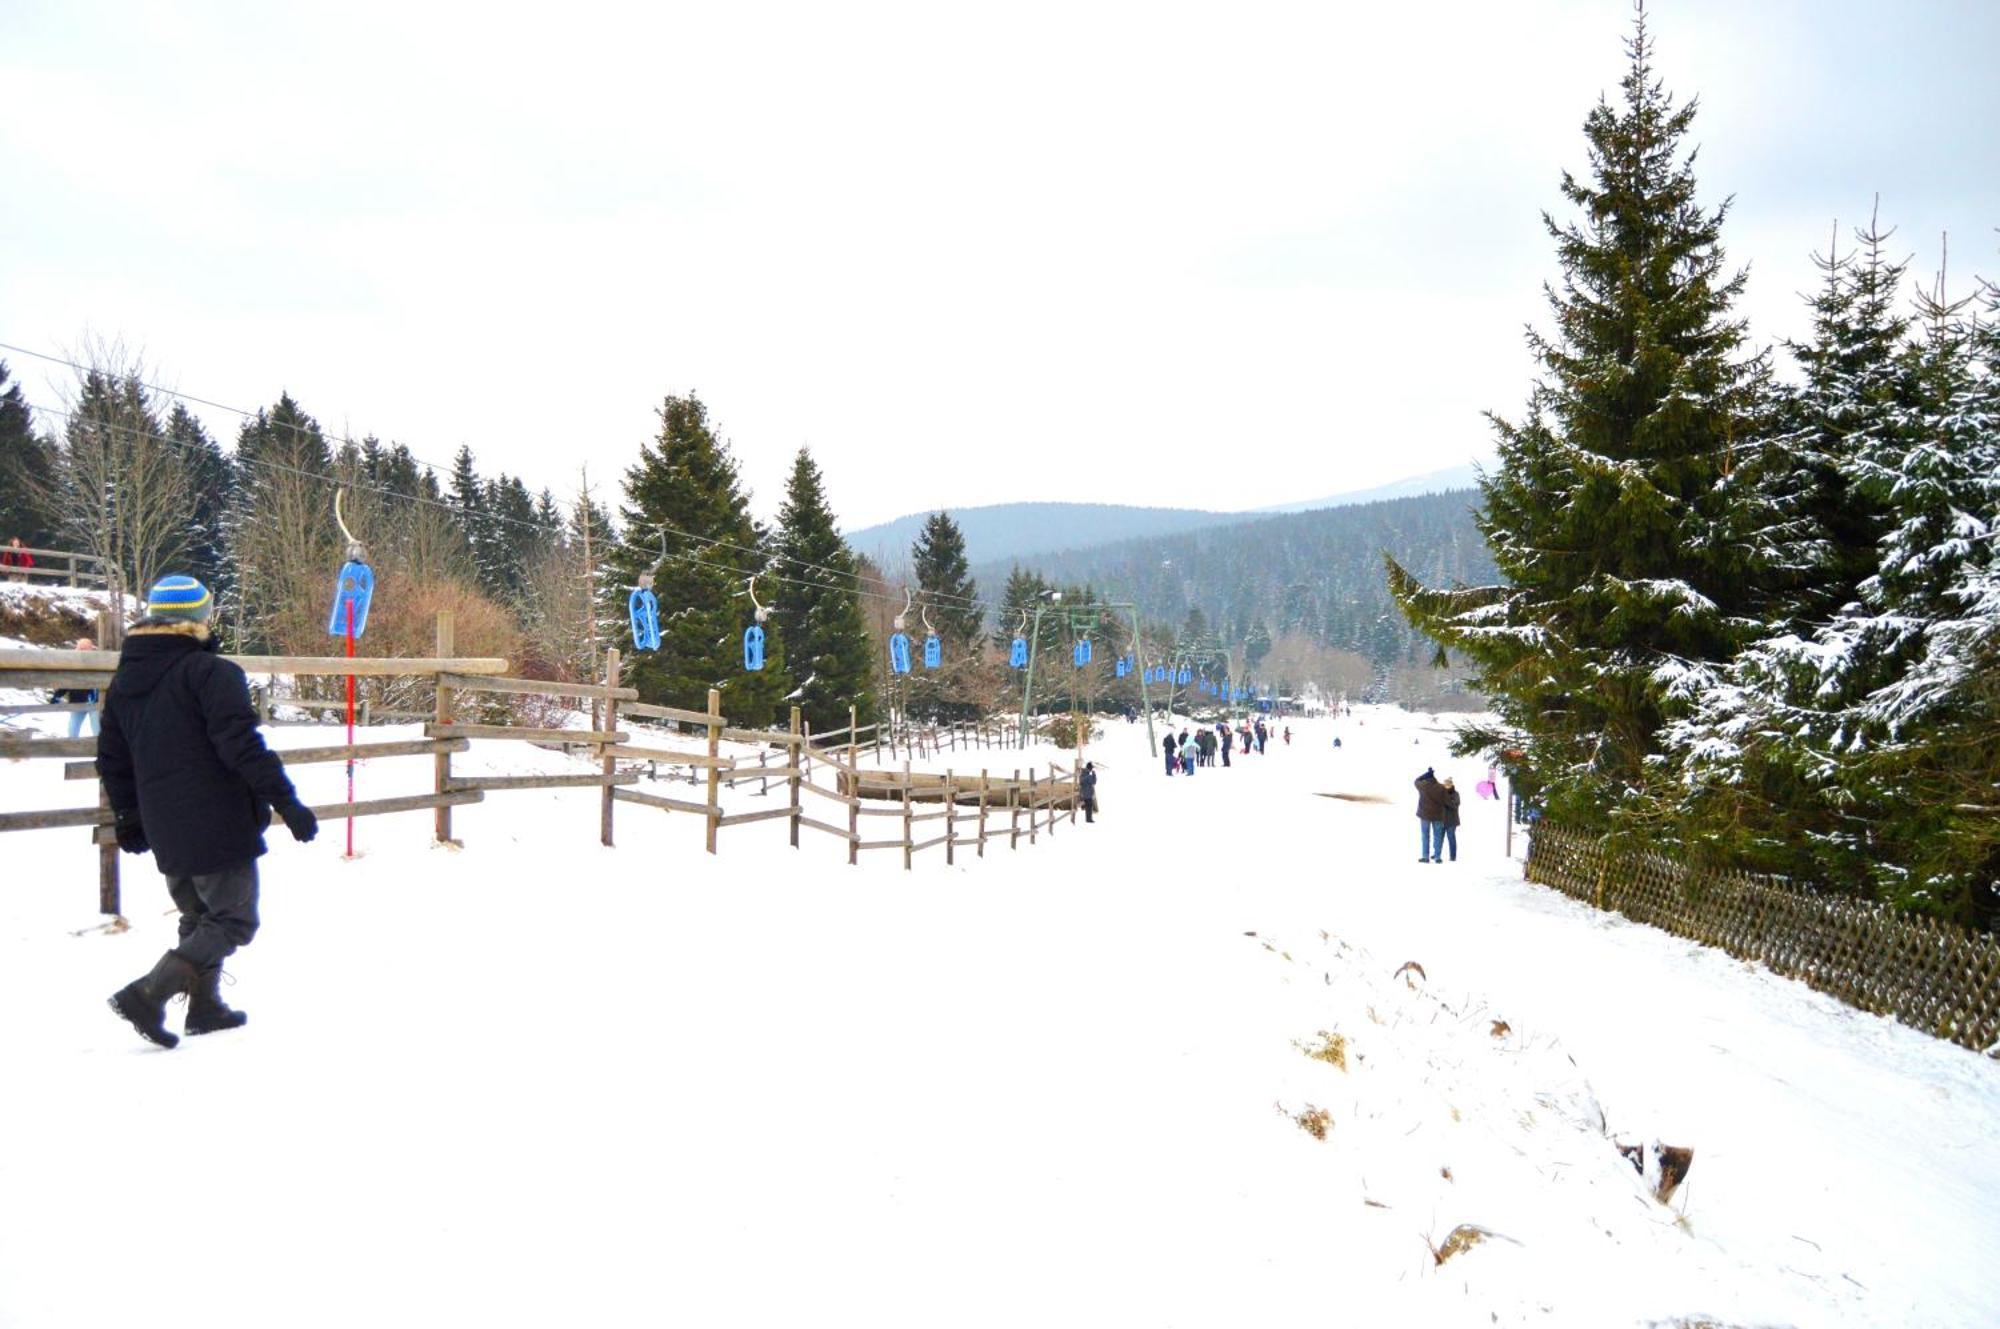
(911, 797)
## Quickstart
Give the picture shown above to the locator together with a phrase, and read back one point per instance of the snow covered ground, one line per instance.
(535, 1081)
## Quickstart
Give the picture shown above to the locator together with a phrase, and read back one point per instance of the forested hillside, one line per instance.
(1000, 532)
(1318, 573)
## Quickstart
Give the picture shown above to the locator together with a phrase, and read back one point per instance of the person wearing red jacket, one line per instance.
(16, 555)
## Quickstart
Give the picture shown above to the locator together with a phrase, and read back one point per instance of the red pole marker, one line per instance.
(350, 725)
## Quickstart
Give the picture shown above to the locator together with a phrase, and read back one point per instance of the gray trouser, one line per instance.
(218, 912)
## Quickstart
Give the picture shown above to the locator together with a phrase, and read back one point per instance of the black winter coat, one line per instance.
(1450, 817)
(180, 745)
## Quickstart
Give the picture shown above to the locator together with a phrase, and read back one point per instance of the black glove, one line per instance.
(300, 821)
(131, 835)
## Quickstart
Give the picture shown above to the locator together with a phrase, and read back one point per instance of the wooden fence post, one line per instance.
(714, 772)
(1034, 810)
(1014, 810)
(854, 787)
(984, 788)
(441, 765)
(612, 668)
(950, 819)
(909, 853)
(797, 751)
(108, 901)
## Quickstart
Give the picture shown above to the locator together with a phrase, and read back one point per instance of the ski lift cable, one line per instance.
(277, 467)
(434, 468)
(663, 529)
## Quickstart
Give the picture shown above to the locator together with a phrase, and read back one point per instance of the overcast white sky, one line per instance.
(1204, 256)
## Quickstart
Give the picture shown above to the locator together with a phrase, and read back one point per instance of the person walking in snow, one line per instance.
(1448, 824)
(1167, 746)
(1187, 754)
(189, 779)
(1430, 815)
(1223, 739)
(1288, 735)
(1086, 786)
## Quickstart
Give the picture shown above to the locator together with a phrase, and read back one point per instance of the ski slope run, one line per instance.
(535, 1081)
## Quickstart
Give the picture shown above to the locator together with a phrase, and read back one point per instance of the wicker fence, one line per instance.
(1929, 975)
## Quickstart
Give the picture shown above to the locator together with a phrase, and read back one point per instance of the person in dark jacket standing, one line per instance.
(1086, 785)
(1448, 824)
(1430, 816)
(1167, 746)
(189, 779)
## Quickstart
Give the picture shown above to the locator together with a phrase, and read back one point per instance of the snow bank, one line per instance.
(536, 1081)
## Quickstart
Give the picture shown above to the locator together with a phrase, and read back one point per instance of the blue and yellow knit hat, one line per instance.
(182, 599)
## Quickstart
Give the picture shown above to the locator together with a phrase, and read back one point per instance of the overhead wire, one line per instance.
(436, 472)
(662, 529)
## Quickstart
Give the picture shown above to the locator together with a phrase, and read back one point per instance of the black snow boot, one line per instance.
(206, 1013)
(144, 1002)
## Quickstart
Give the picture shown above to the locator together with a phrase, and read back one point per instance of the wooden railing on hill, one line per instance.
(76, 570)
(1929, 975)
(625, 758)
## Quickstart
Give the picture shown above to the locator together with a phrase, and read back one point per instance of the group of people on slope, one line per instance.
(1186, 751)
(1437, 816)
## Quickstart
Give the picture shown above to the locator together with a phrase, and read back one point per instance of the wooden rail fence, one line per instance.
(624, 758)
(1929, 975)
(76, 570)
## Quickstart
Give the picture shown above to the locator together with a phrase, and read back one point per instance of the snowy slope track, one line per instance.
(1170, 1069)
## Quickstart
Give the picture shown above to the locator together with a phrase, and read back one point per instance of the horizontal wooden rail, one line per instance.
(662, 801)
(374, 807)
(48, 747)
(772, 738)
(92, 680)
(414, 747)
(647, 711)
(49, 818)
(49, 708)
(535, 687)
(933, 843)
(582, 736)
(669, 757)
(73, 554)
(828, 794)
(92, 579)
(745, 818)
(593, 781)
(840, 831)
(878, 844)
(13, 663)
(743, 774)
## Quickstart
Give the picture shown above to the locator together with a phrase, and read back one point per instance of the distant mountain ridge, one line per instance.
(998, 532)
(1318, 572)
(1436, 482)
(1014, 530)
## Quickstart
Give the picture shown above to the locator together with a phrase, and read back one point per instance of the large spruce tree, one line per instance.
(1757, 787)
(817, 606)
(944, 585)
(687, 522)
(1629, 511)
